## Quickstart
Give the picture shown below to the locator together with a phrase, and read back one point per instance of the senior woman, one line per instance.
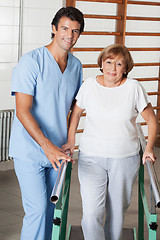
(109, 147)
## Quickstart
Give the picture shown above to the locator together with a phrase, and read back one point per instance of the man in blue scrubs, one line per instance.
(45, 83)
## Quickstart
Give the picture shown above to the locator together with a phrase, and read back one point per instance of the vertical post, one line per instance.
(158, 112)
(152, 201)
(152, 233)
(70, 3)
(20, 29)
(121, 24)
(140, 203)
(65, 201)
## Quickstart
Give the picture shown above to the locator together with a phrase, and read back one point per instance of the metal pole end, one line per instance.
(54, 199)
(158, 205)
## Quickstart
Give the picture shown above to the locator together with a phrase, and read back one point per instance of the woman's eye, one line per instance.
(119, 64)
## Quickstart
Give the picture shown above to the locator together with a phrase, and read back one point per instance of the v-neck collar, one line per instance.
(53, 59)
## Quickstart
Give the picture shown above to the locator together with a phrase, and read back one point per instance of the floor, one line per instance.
(11, 212)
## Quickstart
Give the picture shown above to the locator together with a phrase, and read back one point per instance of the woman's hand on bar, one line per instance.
(148, 156)
(69, 146)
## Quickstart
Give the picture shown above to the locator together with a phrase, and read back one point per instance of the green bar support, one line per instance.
(140, 205)
(65, 201)
(135, 234)
(69, 232)
(152, 233)
(61, 209)
(56, 228)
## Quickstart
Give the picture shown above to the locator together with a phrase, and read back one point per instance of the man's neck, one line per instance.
(59, 55)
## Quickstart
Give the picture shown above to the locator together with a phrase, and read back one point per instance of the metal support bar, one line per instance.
(151, 170)
(59, 182)
(140, 205)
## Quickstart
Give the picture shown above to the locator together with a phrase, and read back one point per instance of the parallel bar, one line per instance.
(59, 182)
(151, 169)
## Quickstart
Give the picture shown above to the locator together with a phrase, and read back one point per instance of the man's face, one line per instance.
(67, 33)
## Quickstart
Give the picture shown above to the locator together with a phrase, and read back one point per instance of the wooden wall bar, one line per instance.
(120, 35)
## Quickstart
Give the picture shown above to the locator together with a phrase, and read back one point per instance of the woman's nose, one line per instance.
(114, 66)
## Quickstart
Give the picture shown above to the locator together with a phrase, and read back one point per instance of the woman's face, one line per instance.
(113, 68)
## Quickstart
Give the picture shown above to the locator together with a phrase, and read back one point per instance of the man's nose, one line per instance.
(69, 34)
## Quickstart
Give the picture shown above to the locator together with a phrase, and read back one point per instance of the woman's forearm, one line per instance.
(74, 121)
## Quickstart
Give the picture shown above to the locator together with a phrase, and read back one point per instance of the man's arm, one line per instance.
(23, 113)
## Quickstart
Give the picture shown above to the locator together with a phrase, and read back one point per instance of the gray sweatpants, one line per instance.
(105, 183)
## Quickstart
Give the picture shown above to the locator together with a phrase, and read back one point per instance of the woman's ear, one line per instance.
(102, 65)
(54, 29)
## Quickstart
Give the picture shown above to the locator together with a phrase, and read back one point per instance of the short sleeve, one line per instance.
(142, 98)
(24, 76)
(82, 96)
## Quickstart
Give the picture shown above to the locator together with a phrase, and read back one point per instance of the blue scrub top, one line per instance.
(39, 75)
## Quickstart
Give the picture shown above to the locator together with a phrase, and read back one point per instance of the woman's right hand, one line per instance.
(69, 146)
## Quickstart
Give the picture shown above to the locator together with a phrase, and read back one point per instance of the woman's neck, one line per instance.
(106, 83)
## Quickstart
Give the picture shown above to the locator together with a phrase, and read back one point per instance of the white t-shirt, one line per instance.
(110, 129)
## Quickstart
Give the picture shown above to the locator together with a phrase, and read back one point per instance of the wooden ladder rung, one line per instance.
(143, 3)
(100, 49)
(100, 33)
(102, 16)
(141, 34)
(143, 18)
(105, 1)
(136, 65)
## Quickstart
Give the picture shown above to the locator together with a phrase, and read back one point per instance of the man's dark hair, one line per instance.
(70, 12)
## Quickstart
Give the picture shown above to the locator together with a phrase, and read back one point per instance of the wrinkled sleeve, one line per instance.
(24, 76)
(142, 98)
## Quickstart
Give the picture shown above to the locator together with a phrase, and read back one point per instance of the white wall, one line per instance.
(37, 16)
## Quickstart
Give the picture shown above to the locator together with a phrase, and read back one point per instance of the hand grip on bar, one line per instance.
(151, 170)
(59, 182)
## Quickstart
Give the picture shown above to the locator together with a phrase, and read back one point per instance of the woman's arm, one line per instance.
(151, 120)
(23, 113)
(73, 124)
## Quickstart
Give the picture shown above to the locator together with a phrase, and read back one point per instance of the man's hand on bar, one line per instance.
(54, 154)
